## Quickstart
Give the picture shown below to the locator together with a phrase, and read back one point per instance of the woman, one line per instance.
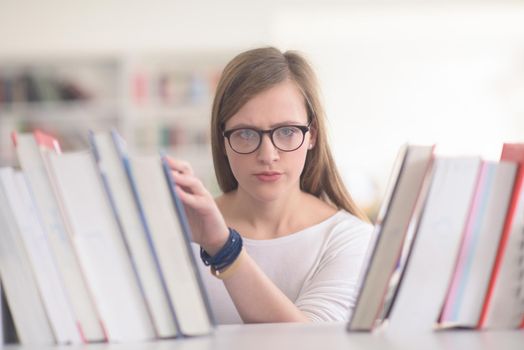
(302, 239)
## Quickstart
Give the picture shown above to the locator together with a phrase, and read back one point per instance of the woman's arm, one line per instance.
(256, 297)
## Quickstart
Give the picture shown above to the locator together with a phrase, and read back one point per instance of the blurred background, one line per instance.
(391, 72)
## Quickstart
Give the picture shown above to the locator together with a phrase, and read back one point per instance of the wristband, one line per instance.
(226, 255)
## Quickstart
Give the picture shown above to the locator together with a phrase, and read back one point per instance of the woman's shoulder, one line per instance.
(347, 234)
(346, 221)
(340, 218)
(342, 221)
(347, 228)
(336, 224)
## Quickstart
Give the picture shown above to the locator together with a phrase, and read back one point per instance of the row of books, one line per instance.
(449, 245)
(168, 88)
(171, 134)
(95, 246)
(29, 87)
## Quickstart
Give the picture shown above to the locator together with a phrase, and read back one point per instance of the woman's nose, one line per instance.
(267, 152)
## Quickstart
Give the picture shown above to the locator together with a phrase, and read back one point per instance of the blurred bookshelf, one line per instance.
(156, 101)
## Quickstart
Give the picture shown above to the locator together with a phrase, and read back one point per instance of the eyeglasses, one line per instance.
(286, 138)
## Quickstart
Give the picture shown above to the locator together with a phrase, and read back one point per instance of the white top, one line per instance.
(317, 268)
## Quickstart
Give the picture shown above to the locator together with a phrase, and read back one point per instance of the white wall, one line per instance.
(450, 74)
(32, 27)
(391, 73)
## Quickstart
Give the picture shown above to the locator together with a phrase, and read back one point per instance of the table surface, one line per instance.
(320, 336)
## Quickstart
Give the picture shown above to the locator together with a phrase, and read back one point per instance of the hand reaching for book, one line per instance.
(208, 226)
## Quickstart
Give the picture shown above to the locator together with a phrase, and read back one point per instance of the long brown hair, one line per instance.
(257, 70)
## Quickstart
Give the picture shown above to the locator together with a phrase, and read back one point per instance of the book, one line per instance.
(99, 246)
(431, 264)
(30, 149)
(467, 289)
(21, 289)
(6, 319)
(187, 237)
(406, 191)
(107, 150)
(55, 300)
(2, 312)
(503, 307)
(170, 237)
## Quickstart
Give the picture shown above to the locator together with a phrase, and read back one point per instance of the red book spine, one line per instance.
(515, 153)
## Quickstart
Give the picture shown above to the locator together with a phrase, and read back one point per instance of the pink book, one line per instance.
(501, 304)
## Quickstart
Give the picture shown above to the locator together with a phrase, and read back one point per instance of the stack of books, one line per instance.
(449, 245)
(95, 246)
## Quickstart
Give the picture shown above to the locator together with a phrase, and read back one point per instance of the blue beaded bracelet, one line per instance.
(226, 255)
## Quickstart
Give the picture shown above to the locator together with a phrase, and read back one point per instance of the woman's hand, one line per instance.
(208, 226)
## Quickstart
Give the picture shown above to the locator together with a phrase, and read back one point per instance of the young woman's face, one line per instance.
(268, 173)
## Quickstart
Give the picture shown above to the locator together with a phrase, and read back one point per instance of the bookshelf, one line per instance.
(61, 95)
(156, 101)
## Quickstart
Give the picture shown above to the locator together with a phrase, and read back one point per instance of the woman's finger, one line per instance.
(180, 166)
(187, 198)
(191, 183)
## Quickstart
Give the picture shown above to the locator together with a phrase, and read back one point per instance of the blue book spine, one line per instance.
(118, 219)
(182, 218)
(121, 149)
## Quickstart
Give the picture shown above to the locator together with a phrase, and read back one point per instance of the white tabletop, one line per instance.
(326, 336)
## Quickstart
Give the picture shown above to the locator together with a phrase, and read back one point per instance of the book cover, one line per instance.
(396, 215)
(56, 301)
(21, 290)
(99, 246)
(436, 245)
(6, 318)
(126, 211)
(503, 307)
(31, 156)
(186, 231)
(175, 258)
(481, 238)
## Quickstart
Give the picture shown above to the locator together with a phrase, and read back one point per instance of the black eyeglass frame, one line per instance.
(270, 132)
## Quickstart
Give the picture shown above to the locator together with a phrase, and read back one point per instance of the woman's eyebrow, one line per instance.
(287, 122)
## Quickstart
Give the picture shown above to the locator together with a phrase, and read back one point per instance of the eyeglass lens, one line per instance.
(285, 138)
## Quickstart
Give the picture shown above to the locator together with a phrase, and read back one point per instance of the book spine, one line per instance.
(118, 219)
(186, 229)
(450, 308)
(508, 224)
(120, 147)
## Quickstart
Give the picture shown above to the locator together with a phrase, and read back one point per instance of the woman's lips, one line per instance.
(268, 176)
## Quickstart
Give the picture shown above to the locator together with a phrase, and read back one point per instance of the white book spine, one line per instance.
(431, 264)
(44, 194)
(23, 297)
(170, 246)
(56, 301)
(112, 167)
(100, 248)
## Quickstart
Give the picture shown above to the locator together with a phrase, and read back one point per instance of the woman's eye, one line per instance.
(287, 131)
(246, 134)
